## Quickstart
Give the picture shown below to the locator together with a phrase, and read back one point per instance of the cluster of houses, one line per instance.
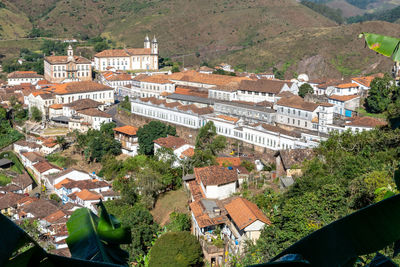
(74, 188)
(253, 109)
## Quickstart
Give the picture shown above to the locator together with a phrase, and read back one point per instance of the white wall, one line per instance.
(220, 192)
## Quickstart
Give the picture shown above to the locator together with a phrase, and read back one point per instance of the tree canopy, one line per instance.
(176, 249)
(208, 145)
(150, 132)
(379, 96)
(304, 89)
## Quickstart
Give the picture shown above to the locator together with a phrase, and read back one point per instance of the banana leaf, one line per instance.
(12, 238)
(385, 45)
(97, 239)
(341, 242)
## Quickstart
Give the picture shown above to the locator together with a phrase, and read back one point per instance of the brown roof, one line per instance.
(85, 184)
(127, 129)
(10, 200)
(213, 79)
(161, 79)
(118, 77)
(228, 161)
(83, 104)
(24, 74)
(215, 175)
(170, 142)
(88, 195)
(94, 112)
(347, 85)
(188, 152)
(56, 106)
(292, 157)
(62, 182)
(25, 143)
(369, 122)
(280, 130)
(297, 102)
(343, 98)
(64, 59)
(228, 118)
(22, 180)
(192, 108)
(44, 166)
(123, 52)
(203, 219)
(195, 190)
(244, 212)
(55, 216)
(33, 156)
(40, 209)
(78, 87)
(264, 85)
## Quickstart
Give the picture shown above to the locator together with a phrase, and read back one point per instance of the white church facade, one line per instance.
(129, 59)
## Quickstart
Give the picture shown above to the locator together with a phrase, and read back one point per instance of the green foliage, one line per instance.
(385, 15)
(126, 103)
(385, 45)
(7, 134)
(176, 249)
(141, 223)
(98, 47)
(326, 192)
(36, 114)
(49, 46)
(55, 197)
(61, 161)
(175, 67)
(361, 3)
(380, 94)
(95, 144)
(304, 89)
(97, 238)
(20, 249)
(11, 65)
(179, 222)
(208, 144)
(4, 179)
(150, 132)
(222, 72)
(331, 13)
(248, 165)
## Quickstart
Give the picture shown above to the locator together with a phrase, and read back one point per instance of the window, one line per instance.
(305, 124)
(298, 122)
(294, 121)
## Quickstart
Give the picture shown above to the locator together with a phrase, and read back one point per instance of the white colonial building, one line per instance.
(129, 58)
(19, 77)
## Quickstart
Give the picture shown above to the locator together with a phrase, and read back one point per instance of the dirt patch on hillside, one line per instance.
(169, 202)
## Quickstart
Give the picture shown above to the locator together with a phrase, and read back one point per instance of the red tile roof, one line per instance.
(368, 122)
(94, 112)
(343, 98)
(172, 142)
(123, 52)
(188, 152)
(297, 102)
(44, 166)
(244, 212)
(64, 60)
(24, 74)
(88, 195)
(215, 175)
(347, 85)
(55, 216)
(77, 87)
(127, 129)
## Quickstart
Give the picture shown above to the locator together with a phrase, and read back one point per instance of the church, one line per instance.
(69, 68)
(129, 59)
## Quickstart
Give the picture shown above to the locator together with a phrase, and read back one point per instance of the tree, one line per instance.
(150, 132)
(62, 142)
(179, 222)
(208, 144)
(379, 96)
(100, 46)
(36, 114)
(176, 249)
(304, 89)
(126, 103)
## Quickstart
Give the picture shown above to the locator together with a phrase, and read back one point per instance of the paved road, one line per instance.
(113, 112)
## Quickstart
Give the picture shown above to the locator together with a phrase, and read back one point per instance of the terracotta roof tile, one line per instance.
(55, 216)
(366, 122)
(297, 102)
(78, 87)
(40, 208)
(88, 195)
(44, 166)
(172, 142)
(127, 129)
(64, 59)
(228, 118)
(123, 52)
(24, 74)
(61, 183)
(213, 79)
(343, 98)
(244, 212)
(10, 200)
(56, 106)
(94, 112)
(188, 152)
(347, 85)
(264, 85)
(161, 79)
(215, 175)
(81, 104)
(33, 156)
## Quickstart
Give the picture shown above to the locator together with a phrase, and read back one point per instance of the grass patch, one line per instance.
(60, 161)
(168, 203)
(18, 167)
(363, 112)
(10, 137)
(4, 179)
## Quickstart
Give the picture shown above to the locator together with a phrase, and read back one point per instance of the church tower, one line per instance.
(154, 46)
(70, 53)
(146, 42)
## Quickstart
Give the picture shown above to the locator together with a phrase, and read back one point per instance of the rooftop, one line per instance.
(297, 102)
(127, 129)
(368, 122)
(64, 60)
(94, 112)
(24, 74)
(83, 104)
(123, 52)
(88, 195)
(215, 175)
(77, 87)
(264, 86)
(343, 98)
(44, 166)
(172, 142)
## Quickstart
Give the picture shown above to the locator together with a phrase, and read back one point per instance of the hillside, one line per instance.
(252, 35)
